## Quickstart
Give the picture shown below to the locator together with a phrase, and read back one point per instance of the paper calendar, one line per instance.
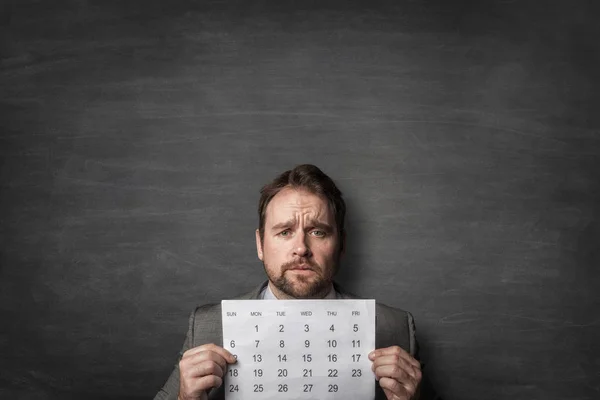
(299, 349)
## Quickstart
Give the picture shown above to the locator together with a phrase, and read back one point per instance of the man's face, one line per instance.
(301, 245)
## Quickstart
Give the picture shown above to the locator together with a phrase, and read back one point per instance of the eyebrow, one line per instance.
(312, 223)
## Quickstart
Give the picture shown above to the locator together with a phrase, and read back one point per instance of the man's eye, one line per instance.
(284, 233)
(319, 233)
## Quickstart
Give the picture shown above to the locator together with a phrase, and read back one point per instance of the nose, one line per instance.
(301, 247)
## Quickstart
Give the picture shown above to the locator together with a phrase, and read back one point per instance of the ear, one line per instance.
(259, 250)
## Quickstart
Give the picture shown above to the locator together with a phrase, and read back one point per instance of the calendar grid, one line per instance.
(299, 349)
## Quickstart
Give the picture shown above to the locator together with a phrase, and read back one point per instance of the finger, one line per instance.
(394, 350)
(194, 360)
(395, 390)
(212, 347)
(194, 387)
(396, 360)
(204, 368)
(394, 372)
(391, 395)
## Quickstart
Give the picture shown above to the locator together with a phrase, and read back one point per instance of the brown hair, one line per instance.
(310, 178)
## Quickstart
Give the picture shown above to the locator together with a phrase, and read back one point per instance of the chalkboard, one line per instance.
(135, 136)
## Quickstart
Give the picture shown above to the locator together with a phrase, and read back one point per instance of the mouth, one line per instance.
(302, 267)
(302, 272)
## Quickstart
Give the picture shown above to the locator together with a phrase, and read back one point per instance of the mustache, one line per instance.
(296, 263)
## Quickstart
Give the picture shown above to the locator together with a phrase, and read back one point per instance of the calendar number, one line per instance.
(332, 343)
(232, 344)
(307, 357)
(307, 373)
(355, 357)
(281, 343)
(258, 373)
(308, 388)
(233, 372)
(333, 388)
(258, 388)
(355, 328)
(356, 373)
(332, 357)
(234, 388)
(256, 327)
(257, 357)
(331, 328)
(282, 357)
(306, 328)
(332, 373)
(282, 373)
(257, 342)
(307, 343)
(282, 387)
(356, 343)
(280, 328)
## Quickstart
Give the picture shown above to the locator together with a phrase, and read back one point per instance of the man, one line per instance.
(300, 240)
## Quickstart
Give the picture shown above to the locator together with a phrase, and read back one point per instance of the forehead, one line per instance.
(294, 203)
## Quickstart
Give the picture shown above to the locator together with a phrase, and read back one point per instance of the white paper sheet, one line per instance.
(299, 349)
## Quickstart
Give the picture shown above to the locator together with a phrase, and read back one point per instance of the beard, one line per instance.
(316, 285)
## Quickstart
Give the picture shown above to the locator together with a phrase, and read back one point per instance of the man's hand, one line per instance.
(201, 369)
(398, 373)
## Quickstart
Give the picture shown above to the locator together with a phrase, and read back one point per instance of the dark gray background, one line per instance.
(135, 136)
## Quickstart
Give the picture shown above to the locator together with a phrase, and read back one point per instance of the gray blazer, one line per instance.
(393, 327)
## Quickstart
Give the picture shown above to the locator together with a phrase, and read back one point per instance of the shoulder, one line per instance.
(211, 310)
(392, 313)
(205, 325)
(393, 317)
(395, 326)
(207, 310)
